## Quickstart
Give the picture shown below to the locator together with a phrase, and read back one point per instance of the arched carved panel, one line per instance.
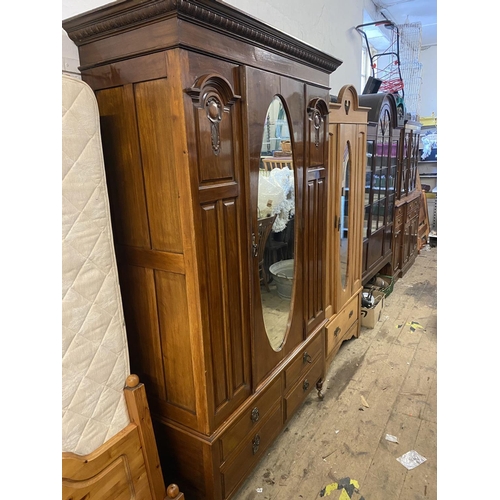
(213, 99)
(317, 112)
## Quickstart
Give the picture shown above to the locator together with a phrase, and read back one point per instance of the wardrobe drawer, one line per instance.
(303, 362)
(250, 418)
(398, 217)
(413, 209)
(333, 349)
(339, 326)
(305, 385)
(235, 470)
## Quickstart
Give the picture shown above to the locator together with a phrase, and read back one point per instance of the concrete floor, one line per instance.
(382, 383)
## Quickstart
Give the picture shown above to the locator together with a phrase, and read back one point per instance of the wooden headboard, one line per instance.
(127, 466)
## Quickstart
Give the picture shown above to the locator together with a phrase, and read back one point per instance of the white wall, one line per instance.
(428, 89)
(328, 25)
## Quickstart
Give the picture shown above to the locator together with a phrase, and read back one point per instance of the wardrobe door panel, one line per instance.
(315, 204)
(260, 88)
(225, 329)
(270, 118)
(358, 213)
(314, 244)
(213, 105)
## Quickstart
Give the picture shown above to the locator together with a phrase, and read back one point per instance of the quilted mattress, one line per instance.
(95, 361)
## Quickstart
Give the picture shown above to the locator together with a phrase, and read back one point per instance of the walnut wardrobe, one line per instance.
(228, 334)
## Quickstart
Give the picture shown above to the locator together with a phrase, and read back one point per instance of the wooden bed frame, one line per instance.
(126, 467)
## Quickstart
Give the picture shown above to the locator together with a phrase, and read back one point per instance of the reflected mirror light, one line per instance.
(344, 216)
(276, 216)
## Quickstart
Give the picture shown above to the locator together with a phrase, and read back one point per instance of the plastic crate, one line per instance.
(389, 284)
(390, 287)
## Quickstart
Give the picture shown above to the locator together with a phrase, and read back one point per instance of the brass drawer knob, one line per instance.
(307, 357)
(255, 414)
(255, 444)
(337, 331)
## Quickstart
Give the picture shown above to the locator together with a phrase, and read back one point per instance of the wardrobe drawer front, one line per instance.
(306, 384)
(413, 209)
(339, 326)
(234, 471)
(250, 418)
(333, 349)
(398, 217)
(303, 362)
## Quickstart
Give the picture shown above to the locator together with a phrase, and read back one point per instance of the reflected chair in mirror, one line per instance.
(264, 228)
(272, 163)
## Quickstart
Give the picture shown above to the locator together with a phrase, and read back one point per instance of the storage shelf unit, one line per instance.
(428, 169)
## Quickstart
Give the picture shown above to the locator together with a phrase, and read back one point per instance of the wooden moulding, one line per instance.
(126, 466)
(127, 15)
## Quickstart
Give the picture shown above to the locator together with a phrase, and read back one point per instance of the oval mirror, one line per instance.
(275, 216)
(344, 216)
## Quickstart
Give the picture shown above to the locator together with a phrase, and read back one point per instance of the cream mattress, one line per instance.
(95, 362)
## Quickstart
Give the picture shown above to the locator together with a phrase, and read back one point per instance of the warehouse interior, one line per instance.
(337, 440)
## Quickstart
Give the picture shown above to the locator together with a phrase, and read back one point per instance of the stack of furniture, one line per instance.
(392, 197)
(184, 89)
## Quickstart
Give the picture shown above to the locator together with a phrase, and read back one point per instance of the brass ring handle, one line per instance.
(307, 357)
(305, 385)
(337, 331)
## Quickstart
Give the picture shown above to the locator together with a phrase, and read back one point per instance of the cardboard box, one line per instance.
(372, 315)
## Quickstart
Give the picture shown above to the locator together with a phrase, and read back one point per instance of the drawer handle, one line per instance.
(255, 414)
(307, 358)
(255, 444)
(337, 331)
(351, 313)
(305, 385)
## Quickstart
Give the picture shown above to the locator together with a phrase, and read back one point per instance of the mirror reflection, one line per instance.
(275, 216)
(344, 216)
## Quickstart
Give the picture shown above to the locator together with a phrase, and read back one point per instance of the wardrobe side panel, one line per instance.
(158, 139)
(123, 166)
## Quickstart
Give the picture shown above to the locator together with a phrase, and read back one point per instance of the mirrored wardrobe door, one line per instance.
(344, 218)
(275, 110)
(276, 217)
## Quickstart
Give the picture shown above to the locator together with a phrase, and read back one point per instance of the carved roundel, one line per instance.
(213, 107)
(317, 120)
